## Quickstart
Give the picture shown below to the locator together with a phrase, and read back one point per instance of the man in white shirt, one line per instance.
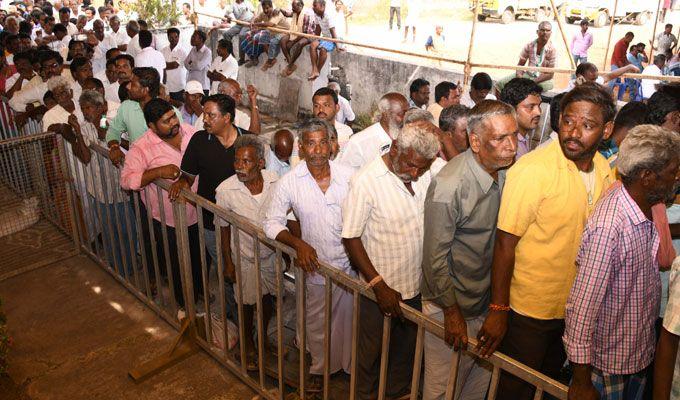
(376, 140)
(648, 86)
(248, 194)
(133, 47)
(120, 36)
(59, 39)
(148, 56)
(81, 70)
(175, 73)
(223, 67)
(480, 89)
(24, 64)
(446, 94)
(66, 105)
(345, 115)
(325, 26)
(96, 85)
(198, 60)
(65, 19)
(315, 190)
(51, 65)
(665, 40)
(106, 42)
(383, 225)
(109, 80)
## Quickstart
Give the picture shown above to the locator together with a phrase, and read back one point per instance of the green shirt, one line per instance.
(130, 119)
(461, 210)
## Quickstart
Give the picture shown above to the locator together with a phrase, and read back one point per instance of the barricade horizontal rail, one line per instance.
(138, 281)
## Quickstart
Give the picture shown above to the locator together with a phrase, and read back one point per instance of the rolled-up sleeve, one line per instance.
(440, 228)
(587, 293)
(134, 168)
(356, 210)
(276, 213)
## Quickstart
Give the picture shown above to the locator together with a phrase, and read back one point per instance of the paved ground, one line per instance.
(77, 332)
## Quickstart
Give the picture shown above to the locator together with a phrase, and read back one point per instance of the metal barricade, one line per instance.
(149, 254)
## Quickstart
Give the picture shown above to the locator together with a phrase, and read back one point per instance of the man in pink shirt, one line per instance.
(157, 154)
(580, 43)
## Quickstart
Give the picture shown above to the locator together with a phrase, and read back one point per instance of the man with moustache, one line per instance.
(363, 147)
(383, 234)
(210, 157)
(548, 196)
(248, 193)
(614, 302)
(461, 210)
(315, 190)
(157, 154)
(525, 95)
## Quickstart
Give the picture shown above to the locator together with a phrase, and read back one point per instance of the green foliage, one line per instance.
(5, 341)
(157, 13)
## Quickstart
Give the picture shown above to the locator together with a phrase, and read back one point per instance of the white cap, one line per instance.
(194, 87)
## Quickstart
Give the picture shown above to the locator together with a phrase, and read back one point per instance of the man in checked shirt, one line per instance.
(610, 313)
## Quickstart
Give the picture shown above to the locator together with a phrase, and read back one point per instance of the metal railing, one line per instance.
(153, 260)
(137, 273)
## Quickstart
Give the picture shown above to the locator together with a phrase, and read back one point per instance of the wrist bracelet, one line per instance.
(375, 281)
(498, 307)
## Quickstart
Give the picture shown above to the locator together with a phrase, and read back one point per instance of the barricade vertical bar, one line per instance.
(154, 249)
(453, 375)
(261, 334)
(104, 254)
(87, 197)
(112, 204)
(539, 394)
(130, 247)
(417, 362)
(356, 309)
(239, 297)
(279, 320)
(166, 250)
(301, 296)
(81, 188)
(69, 193)
(328, 298)
(142, 248)
(182, 234)
(108, 222)
(220, 281)
(205, 269)
(384, 357)
(493, 386)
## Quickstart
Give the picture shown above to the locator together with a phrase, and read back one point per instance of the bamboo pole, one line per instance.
(656, 22)
(609, 39)
(564, 36)
(468, 69)
(195, 15)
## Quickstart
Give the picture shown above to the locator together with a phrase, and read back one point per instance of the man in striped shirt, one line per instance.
(610, 313)
(383, 232)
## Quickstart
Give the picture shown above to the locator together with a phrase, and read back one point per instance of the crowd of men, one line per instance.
(547, 251)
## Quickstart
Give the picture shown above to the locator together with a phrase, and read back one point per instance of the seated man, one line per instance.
(325, 26)
(435, 43)
(303, 21)
(537, 53)
(481, 87)
(259, 37)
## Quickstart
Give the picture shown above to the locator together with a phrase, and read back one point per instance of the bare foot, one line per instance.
(313, 76)
(269, 64)
(288, 70)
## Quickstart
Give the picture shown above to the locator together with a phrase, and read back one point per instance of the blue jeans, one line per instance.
(118, 249)
(580, 59)
(210, 240)
(235, 30)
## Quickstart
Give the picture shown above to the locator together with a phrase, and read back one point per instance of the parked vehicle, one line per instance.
(510, 10)
(600, 11)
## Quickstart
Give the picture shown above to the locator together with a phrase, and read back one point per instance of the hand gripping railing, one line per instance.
(113, 214)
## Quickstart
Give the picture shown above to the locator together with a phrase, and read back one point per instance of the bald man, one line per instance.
(232, 89)
(376, 140)
(280, 150)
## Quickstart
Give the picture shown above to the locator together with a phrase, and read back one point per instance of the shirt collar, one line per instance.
(236, 184)
(632, 209)
(301, 171)
(154, 139)
(483, 178)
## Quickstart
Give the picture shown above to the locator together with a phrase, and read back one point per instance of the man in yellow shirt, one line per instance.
(548, 196)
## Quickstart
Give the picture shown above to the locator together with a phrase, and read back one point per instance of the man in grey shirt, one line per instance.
(461, 210)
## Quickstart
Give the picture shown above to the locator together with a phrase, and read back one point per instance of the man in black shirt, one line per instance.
(210, 156)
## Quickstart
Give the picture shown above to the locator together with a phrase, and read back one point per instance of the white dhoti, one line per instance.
(474, 374)
(341, 328)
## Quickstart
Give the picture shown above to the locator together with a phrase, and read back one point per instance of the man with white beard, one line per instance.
(376, 140)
